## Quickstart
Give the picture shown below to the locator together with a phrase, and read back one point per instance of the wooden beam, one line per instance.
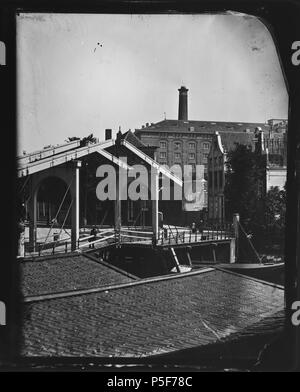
(63, 157)
(155, 197)
(152, 162)
(175, 259)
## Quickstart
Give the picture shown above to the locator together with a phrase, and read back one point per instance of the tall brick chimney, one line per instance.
(183, 104)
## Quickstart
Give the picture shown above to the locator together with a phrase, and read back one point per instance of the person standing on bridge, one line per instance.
(194, 230)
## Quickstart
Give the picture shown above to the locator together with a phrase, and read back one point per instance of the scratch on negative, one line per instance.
(205, 323)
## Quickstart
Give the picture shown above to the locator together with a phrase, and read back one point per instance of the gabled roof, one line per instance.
(47, 162)
(100, 148)
(47, 152)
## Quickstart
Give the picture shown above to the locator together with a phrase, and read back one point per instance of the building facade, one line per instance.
(274, 163)
(188, 142)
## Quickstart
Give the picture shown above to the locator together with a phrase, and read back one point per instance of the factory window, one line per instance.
(205, 146)
(177, 145)
(163, 155)
(205, 158)
(191, 156)
(163, 144)
(192, 146)
(177, 155)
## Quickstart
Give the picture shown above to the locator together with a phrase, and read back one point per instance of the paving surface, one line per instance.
(151, 318)
(66, 273)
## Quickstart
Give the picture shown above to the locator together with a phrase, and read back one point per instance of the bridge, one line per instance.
(64, 162)
(176, 246)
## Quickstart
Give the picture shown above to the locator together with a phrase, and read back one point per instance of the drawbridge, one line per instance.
(64, 162)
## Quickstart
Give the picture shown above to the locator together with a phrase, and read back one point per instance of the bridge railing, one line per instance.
(168, 235)
(132, 234)
(64, 245)
(175, 235)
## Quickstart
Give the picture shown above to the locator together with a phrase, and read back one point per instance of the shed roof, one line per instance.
(67, 272)
(149, 317)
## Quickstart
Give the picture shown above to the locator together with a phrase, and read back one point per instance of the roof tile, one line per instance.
(149, 318)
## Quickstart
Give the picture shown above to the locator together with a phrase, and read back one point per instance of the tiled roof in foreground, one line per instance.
(69, 272)
(149, 317)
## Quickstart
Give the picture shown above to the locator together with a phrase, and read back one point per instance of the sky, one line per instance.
(80, 74)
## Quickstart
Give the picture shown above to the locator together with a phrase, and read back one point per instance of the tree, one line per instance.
(72, 139)
(245, 186)
(275, 208)
(90, 139)
(261, 213)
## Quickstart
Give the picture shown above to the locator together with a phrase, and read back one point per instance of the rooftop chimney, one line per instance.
(183, 105)
(108, 134)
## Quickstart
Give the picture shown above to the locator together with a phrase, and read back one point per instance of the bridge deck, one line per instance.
(131, 237)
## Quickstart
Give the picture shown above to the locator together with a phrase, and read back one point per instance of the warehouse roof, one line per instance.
(148, 316)
(67, 272)
(209, 127)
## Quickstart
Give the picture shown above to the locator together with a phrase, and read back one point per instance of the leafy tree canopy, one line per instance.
(275, 208)
(245, 181)
(90, 139)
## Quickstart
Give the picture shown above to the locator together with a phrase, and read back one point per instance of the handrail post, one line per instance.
(236, 219)
(154, 240)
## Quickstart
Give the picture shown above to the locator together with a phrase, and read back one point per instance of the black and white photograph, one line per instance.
(151, 191)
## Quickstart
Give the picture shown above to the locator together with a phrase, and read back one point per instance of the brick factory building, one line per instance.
(187, 142)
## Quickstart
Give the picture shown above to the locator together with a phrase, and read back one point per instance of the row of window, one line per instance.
(177, 156)
(178, 144)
